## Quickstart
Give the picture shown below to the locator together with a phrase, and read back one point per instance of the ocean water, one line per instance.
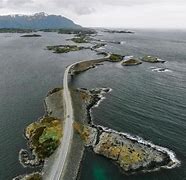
(144, 101)
(27, 73)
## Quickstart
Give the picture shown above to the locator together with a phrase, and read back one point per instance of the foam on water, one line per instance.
(140, 140)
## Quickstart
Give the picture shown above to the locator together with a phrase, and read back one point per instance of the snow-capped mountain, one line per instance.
(36, 21)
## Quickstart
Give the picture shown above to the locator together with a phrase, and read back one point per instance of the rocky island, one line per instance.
(115, 58)
(152, 59)
(82, 31)
(31, 35)
(80, 38)
(118, 31)
(131, 62)
(64, 48)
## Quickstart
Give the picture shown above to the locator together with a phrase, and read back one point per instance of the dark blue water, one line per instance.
(143, 102)
(27, 73)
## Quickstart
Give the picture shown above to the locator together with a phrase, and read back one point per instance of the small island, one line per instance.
(80, 39)
(31, 35)
(131, 62)
(64, 48)
(152, 59)
(77, 31)
(118, 31)
(43, 139)
(115, 58)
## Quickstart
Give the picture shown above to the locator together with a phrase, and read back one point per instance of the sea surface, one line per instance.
(144, 101)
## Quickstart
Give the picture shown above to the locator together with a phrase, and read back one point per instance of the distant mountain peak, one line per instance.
(41, 14)
(39, 20)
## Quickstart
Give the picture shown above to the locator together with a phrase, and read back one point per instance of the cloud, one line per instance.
(84, 7)
(116, 13)
(14, 3)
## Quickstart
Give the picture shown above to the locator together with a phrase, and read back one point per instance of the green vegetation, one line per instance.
(79, 39)
(131, 62)
(82, 130)
(115, 58)
(34, 176)
(64, 48)
(44, 136)
(15, 30)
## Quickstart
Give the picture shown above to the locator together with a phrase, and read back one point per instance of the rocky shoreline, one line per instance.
(131, 153)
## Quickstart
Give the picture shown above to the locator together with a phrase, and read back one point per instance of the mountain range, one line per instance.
(37, 21)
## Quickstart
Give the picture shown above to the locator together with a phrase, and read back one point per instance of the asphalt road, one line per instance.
(59, 165)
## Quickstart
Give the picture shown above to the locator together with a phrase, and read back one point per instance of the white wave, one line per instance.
(140, 140)
(160, 69)
(101, 96)
(123, 42)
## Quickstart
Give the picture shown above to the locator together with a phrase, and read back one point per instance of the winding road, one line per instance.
(60, 163)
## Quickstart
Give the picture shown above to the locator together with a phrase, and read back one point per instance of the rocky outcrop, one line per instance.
(31, 35)
(131, 153)
(131, 62)
(118, 31)
(152, 59)
(45, 134)
(115, 58)
(33, 176)
(59, 49)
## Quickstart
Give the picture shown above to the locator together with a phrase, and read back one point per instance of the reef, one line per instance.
(152, 59)
(131, 62)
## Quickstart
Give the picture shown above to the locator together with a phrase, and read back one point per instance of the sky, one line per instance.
(107, 13)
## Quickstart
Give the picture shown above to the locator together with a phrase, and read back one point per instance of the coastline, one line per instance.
(98, 99)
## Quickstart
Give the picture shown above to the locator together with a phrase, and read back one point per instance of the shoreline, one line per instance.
(172, 162)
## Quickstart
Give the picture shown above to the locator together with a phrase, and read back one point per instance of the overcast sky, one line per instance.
(107, 13)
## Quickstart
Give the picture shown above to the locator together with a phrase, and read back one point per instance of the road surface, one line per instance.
(60, 163)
